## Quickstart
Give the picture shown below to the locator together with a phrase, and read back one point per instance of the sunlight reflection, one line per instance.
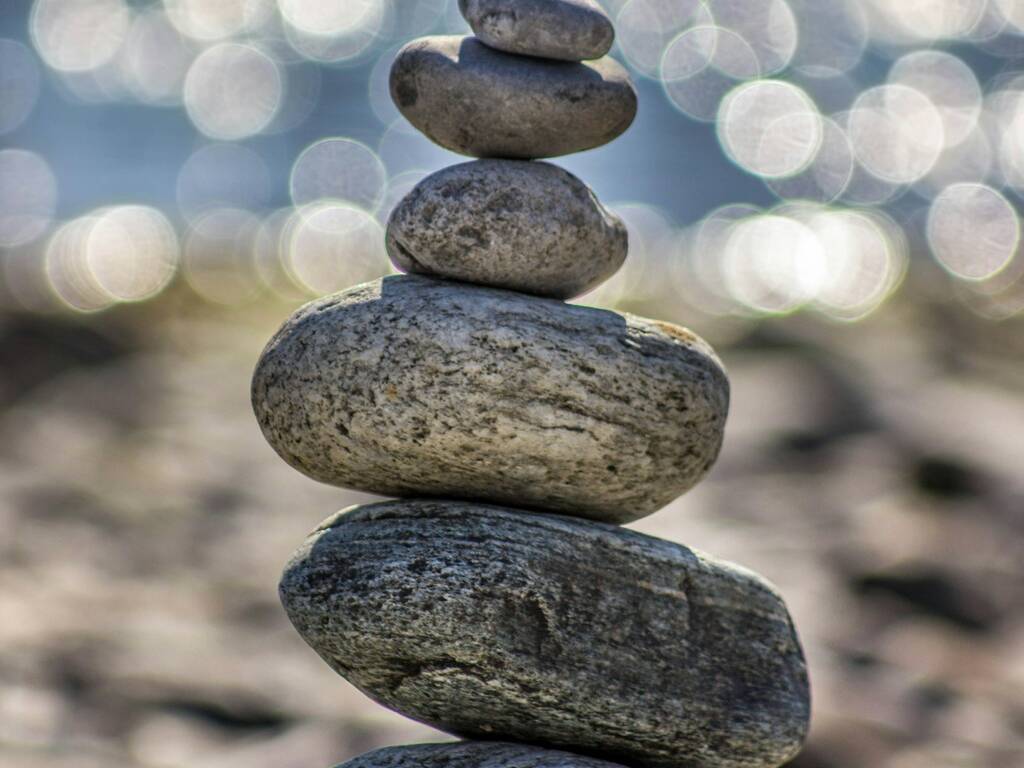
(19, 84)
(973, 231)
(333, 246)
(28, 196)
(339, 169)
(233, 91)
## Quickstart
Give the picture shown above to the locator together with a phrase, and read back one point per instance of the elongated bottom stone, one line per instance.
(491, 623)
(472, 754)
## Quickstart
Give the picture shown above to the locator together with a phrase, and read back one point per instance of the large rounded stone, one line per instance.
(472, 754)
(472, 99)
(413, 386)
(573, 30)
(525, 226)
(487, 622)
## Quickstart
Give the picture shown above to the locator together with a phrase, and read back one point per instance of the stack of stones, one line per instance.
(497, 598)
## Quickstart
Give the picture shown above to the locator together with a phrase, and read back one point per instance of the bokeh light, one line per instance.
(68, 271)
(219, 259)
(920, 21)
(332, 246)
(876, 105)
(701, 269)
(270, 249)
(327, 18)
(79, 35)
(233, 91)
(210, 20)
(896, 132)
(971, 160)
(19, 84)
(339, 169)
(770, 128)
(948, 83)
(155, 59)
(644, 28)
(773, 264)
(973, 231)
(768, 26)
(864, 263)
(832, 36)
(131, 252)
(28, 196)
(1012, 11)
(332, 32)
(701, 65)
(827, 175)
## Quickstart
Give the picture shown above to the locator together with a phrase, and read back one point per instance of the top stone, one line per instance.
(572, 30)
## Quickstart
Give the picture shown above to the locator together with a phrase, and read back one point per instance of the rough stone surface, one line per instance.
(472, 754)
(487, 622)
(573, 30)
(524, 226)
(411, 386)
(477, 101)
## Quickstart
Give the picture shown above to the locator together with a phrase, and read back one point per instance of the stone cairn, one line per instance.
(497, 598)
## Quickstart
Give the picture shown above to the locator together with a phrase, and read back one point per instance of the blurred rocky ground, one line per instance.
(872, 471)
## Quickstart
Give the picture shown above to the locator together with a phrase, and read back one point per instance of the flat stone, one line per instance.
(491, 623)
(573, 30)
(477, 101)
(411, 386)
(524, 226)
(473, 754)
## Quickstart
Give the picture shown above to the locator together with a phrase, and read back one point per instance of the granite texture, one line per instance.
(525, 226)
(411, 386)
(477, 101)
(490, 623)
(572, 30)
(472, 754)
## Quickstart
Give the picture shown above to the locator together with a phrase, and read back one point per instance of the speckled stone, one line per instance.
(490, 623)
(411, 386)
(524, 226)
(472, 754)
(477, 101)
(573, 30)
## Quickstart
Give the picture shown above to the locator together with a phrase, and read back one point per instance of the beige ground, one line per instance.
(875, 474)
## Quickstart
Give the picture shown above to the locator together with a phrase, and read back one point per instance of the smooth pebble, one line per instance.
(524, 226)
(481, 102)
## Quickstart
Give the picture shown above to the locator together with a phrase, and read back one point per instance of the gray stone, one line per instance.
(573, 30)
(477, 101)
(490, 623)
(525, 226)
(411, 386)
(472, 754)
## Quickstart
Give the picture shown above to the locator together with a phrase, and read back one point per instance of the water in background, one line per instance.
(787, 155)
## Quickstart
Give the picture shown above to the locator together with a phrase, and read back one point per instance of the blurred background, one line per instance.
(829, 192)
